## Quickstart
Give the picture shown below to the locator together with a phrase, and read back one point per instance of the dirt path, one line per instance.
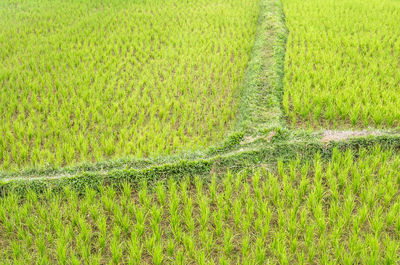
(328, 136)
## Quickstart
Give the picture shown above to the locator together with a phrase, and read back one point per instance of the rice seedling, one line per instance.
(342, 211)
(87, 80)
(342, 63)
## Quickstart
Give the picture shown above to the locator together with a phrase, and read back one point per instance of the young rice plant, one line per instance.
(342, 65)
(342, 211)
(86, 80)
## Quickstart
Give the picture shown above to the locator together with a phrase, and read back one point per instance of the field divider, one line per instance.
(265, 152)
(261, 93)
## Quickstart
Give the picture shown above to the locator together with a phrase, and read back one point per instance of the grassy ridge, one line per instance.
(342, 63)
(85, 81)
(240, 156)
(343, 211)
(260, 109)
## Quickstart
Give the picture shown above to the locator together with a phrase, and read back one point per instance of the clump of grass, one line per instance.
(342, 63)
(342, 211)
(84, 81)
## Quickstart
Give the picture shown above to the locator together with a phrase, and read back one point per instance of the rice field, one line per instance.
(342, 65)
(85, 81)
(90, 80)
(342, 211)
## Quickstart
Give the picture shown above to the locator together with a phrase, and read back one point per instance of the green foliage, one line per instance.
(339, 211)
(88, 80)
(230, 143)
(262, 89)
(342, 63)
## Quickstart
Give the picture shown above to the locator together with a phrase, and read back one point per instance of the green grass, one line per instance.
(342, 211)
(342, 65)
(87, 80)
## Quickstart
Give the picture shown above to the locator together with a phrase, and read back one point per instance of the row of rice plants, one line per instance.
(88, 80)
(345, 211)
(342, 65)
